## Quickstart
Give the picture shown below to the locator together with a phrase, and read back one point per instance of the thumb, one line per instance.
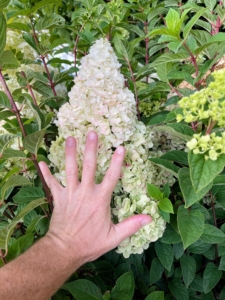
(131, 225)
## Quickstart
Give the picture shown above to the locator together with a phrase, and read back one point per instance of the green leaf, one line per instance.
(219, 180)
(123, 48)
(48, 22)
(178, 250)
(8, 60)
(165, 254)
(33, 141)
(212, 235)
(15, 180)
(188, 267)
(172, 21)
(5, 139)
(83, 289)
(36, 75)
(204, 171)
(2, 31)
(170, 236)
(13, 170)
(222, 263)
(124, 285)
(164, 215)
(211, 277)
(166, 205)
(189, 194)
(192, 22)
(44, 3)
(4, 102)
(30, 40)
(222, 294)
(156, 270)
(157, 118)
(38, 114)
(210, 4)
(5, 113)
(11, 154)
(6, 232)
(58, 42)
(178, 290)
(166, 165)
(217, 38)
(190, 225)
(3, 4)
(28, 194)
(218, 192)
(166, 190)
(197, 284)
(155, 296)
(20, 246)
(169, 57)
(154, 192)
(19, 26)
(176, 156)
(42, 88)
(199, 247)
(182, 128)
(175, 130)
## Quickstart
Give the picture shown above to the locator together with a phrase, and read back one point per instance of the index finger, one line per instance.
(113, 173)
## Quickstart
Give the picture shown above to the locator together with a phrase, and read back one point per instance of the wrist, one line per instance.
(66, 251)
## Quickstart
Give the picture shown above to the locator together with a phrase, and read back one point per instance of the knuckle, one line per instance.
(88, 165)
(52, 185)
(70, 172)
(112, 176)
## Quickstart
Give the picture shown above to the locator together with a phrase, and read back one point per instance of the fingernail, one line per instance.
(70, 141)
(146, 222)
(91, 136)
(120, 150)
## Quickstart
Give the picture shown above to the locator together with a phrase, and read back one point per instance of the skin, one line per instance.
(81, 229)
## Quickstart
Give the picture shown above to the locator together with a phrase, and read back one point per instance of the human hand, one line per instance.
(81, 226)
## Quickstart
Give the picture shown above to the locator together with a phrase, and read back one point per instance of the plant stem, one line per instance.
(17, 113)
(215, 224)
(75, 46)
(52, 85)
(7, 215)
(135, 89)
(29, 89)
(210, 127)
(175, 90)
(3, 257)
(193, 60)
(146, 48)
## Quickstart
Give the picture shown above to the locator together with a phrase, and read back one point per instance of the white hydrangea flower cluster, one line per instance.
(99, 101)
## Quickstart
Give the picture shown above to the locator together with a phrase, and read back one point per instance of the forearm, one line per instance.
(36, 274)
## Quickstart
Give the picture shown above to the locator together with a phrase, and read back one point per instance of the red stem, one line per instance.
(193, 59)
(146, 48)
(29, 89)
(135, 90)
(3, 257)
(17, 113)
(44, 62)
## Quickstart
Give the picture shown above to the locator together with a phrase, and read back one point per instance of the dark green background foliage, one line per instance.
(176, 44)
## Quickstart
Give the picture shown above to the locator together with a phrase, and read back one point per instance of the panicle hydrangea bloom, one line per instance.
(208, 103)
(99, 101)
